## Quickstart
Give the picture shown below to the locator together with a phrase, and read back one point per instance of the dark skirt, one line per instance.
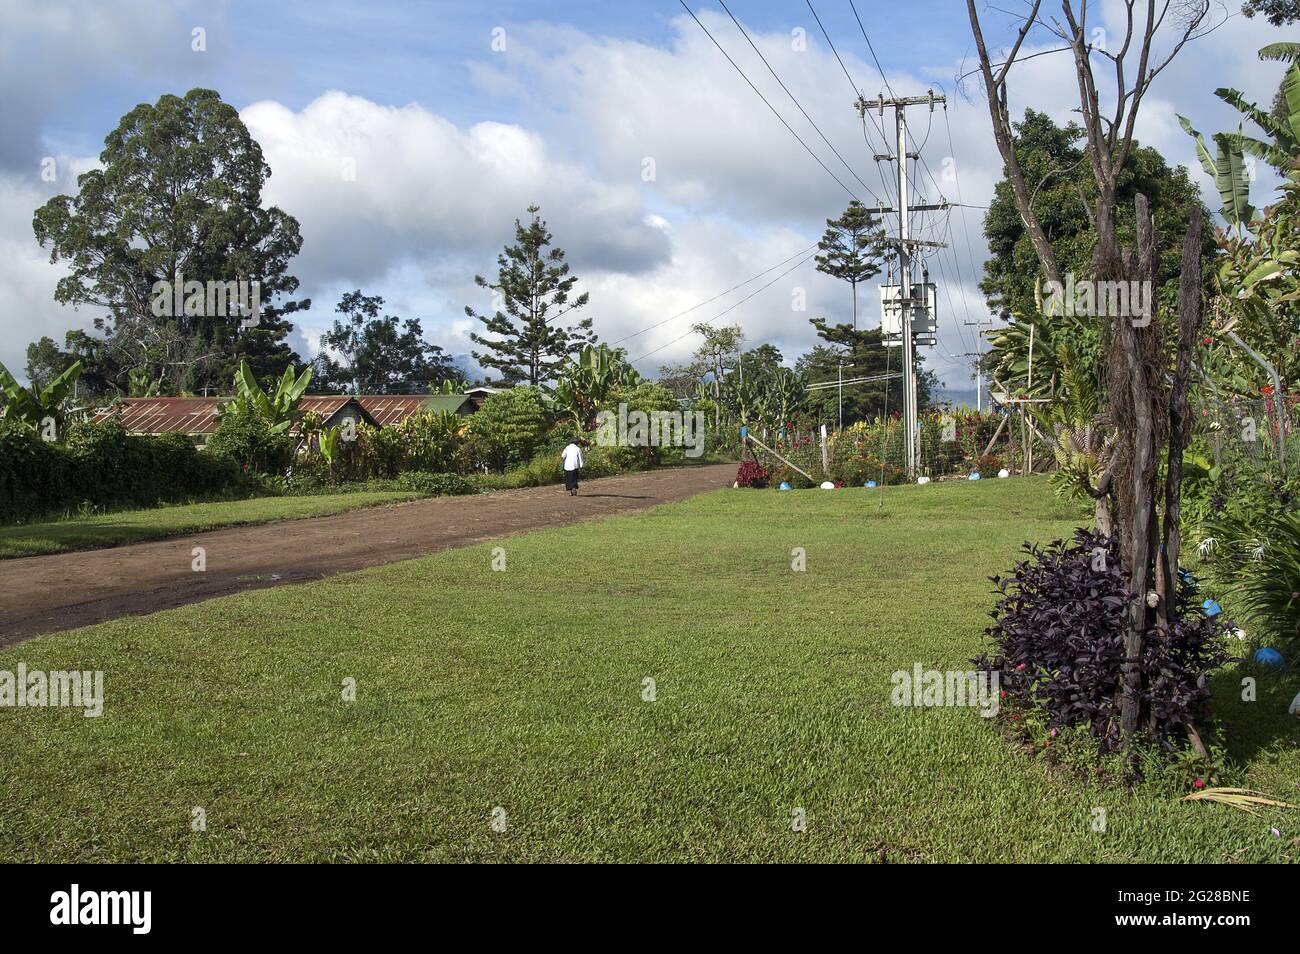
(571, 480)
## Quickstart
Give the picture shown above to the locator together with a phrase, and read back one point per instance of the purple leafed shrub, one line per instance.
(751, 474)
(1059, 632)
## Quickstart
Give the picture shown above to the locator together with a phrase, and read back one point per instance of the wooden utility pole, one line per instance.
(905, 243)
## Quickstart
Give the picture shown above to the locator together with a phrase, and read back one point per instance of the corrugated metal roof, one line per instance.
(323, 404)
(389, 409)
(165, 415)
(394, 408)
(198, 415)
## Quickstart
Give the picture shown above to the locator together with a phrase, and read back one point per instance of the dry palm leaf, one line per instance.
(1241, 798)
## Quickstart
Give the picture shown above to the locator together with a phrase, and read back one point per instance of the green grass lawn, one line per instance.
(133, 526)
(523, 690)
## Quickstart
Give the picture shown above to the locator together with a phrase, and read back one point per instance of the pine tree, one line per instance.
(531, 292)
(852, 248)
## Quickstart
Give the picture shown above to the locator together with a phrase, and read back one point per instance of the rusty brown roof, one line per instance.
(389, 409)
(198, 415)
(165, 415)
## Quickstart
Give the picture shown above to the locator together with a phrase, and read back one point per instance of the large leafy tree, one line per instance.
(379, 354)
(179, 194)
(852, 248)
(45, 362)
(1062, 189)
(524, 340)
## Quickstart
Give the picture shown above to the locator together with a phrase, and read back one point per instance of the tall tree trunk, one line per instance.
(1189, 321)
(1135, 419)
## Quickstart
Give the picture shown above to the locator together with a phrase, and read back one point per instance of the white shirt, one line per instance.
(572, 457)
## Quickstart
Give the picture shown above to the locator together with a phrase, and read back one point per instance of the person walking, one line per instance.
(571, 458)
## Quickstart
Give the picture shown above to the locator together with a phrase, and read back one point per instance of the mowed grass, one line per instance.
(524, 690)
(155, 523)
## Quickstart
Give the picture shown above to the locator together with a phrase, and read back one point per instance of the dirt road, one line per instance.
(46, 594)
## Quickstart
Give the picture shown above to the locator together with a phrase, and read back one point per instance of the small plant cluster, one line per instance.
(950, 445)
(1242, 517)
(1058, 629)
(751, 474)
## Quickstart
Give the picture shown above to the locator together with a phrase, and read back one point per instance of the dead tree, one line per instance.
(1144, 412)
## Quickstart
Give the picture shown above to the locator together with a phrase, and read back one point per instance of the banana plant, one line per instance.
(1258, 284)
(1281, 150)
(1227, 168)
(585, 383)
(279, 408)
(328, 442)
(31, 406)
(1283, 145)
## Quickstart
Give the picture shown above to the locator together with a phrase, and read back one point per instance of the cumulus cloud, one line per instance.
(658, 169)
(375, 185)
(27, 279)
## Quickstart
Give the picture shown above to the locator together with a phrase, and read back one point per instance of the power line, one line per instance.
(657, 324)
(766, 103)
(858, 91)
(725, 310)
(798, 104)
(872, 49)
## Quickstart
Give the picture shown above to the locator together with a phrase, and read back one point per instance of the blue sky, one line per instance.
(452, 140)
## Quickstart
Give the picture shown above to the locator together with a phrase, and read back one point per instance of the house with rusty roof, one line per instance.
(197, 417)
(389, 409)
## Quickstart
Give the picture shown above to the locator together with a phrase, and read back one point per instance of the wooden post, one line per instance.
(1189, 320)
(993, 440)
(1137, 537)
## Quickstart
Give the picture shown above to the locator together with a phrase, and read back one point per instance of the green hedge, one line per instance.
(435, 484)
(101, 465)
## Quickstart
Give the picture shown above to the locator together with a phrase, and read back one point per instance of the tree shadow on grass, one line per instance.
(1252, 728)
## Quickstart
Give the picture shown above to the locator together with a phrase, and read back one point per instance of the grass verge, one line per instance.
(526, 690)
(155, 523)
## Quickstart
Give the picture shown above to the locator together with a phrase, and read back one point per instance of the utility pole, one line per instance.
(717, 387)
(840, 379)
(905, 243)
(978, 354)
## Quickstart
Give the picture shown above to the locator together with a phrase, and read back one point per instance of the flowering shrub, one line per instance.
(1059, 634)
(751, 474)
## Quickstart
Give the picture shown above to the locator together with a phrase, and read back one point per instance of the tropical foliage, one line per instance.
(278, 407)
(30, 406)
(582, 385)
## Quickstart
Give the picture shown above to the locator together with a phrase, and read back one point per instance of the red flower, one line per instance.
(1207, 340)
(1199, 783)
(1266, 389)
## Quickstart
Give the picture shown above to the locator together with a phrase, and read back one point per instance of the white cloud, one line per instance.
(732, 192)
(376, 185)
(27, 279)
